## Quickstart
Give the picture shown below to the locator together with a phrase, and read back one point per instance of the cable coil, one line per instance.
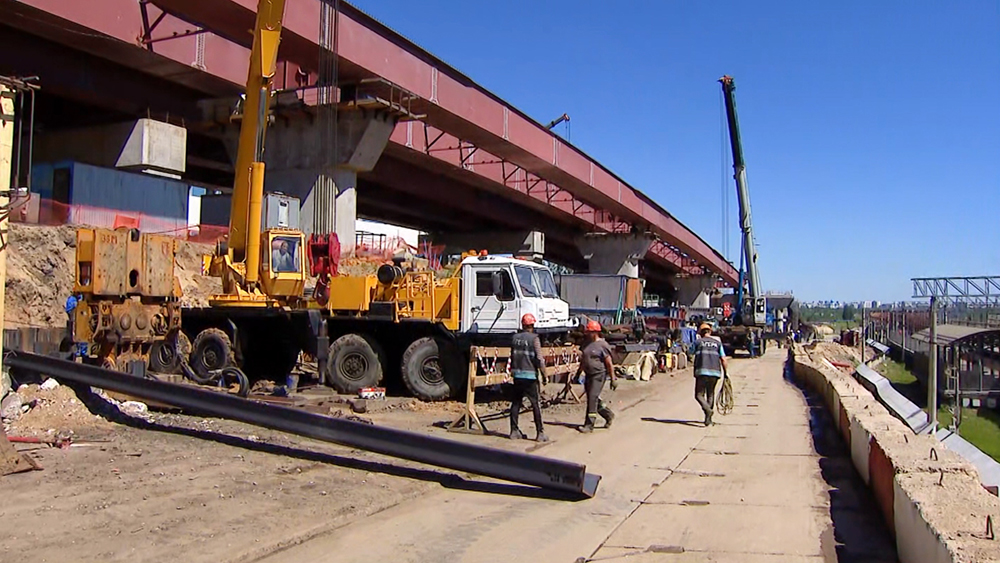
(724, 405)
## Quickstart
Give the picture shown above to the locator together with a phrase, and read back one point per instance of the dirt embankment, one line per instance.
(40, 273)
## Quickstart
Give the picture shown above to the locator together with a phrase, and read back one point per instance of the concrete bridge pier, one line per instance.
(694, 292)
(614, 254)
(324, 179)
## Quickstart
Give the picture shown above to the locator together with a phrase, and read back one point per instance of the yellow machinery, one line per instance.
(396, 294)
(258, 269)
(130, 308)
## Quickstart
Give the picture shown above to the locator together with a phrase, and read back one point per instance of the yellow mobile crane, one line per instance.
(255, 323)
(248, 280)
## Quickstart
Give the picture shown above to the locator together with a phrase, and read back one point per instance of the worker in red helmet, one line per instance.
(526, 363)
(597, 366)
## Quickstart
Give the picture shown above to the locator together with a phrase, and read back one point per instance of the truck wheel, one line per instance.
(354, 363)
(165, 355)
(212, 350)
(430, 370)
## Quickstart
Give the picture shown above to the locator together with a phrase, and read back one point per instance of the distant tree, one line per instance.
(848, 314)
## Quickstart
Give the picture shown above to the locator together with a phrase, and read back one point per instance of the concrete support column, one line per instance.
(614, 254)
(694, 292)
(324, 178)
(331, 188)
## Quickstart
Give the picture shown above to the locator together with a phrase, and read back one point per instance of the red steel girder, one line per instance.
(420, 138)
(367, 49)
(454, 104)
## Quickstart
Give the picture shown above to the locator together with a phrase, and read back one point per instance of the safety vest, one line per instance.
(708, 357)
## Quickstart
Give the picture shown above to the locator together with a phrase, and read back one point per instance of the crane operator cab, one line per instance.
(283, 263)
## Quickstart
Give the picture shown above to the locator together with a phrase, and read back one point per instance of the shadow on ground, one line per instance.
(859, 534)
(695, 423)
(108, 410)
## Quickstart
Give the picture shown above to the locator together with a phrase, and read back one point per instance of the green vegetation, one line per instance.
(848, 313)
(833, 317)
(981, 427)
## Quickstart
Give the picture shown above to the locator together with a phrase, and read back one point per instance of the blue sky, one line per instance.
(871, 129)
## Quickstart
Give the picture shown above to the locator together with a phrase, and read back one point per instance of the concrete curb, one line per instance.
(931, 497)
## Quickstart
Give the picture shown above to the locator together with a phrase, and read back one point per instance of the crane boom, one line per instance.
(753, 309)
(248, 188)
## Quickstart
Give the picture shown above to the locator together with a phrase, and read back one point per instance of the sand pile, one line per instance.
(40, 263)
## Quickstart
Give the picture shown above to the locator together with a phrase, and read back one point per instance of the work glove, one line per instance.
(614, 384)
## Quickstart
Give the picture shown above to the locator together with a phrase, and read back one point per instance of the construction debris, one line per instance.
(11, 461)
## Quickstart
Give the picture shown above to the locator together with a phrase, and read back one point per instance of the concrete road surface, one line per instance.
(751, 488)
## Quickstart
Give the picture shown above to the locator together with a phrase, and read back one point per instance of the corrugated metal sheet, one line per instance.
(988, 468)
(947, 334)
(107, 190)
(128, 191)
(592, 292)
(903, 408)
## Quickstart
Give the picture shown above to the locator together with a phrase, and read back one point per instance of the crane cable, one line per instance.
(724, 404)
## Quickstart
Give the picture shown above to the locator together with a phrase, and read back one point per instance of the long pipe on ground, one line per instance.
(547, 473)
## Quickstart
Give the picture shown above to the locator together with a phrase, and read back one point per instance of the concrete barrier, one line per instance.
(931, 497)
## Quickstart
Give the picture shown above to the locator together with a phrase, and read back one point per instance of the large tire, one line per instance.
(212, 350)
(354, 362)
(430, 370)
(165, 355)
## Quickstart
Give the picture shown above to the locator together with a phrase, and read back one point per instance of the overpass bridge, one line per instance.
(456, 159)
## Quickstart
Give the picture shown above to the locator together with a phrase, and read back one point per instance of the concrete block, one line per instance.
(916, 540)
(143, 145)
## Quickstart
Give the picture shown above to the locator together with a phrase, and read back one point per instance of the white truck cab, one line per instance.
(497, 291)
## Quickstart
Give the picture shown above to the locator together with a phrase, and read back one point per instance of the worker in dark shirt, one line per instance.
(710, 365)
(526, 362)
(597, 366)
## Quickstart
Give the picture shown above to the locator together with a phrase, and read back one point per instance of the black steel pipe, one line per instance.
(508, 466)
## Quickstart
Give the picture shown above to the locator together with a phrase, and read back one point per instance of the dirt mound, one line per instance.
(196, 287)
(40, 262)
(54, 412)
(40, 273)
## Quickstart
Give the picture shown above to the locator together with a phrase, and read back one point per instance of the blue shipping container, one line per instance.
(82, 184)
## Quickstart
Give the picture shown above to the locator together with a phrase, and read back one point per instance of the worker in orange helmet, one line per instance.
(596, 365)
(526, 363)
(710, 365)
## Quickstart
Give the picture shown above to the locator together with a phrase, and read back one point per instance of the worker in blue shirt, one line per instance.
(71, 303)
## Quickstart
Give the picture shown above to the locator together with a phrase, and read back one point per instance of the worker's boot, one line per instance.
(708, 419)
(588, 426)
(609, 417)
(541, 437)
(516, 434)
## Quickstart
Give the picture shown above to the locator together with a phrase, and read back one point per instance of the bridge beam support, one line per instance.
(694, 292)
(614, 254)
(526, 244)
(325, 178)
(301, 162)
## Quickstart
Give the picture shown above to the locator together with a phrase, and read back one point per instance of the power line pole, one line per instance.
(932, 369)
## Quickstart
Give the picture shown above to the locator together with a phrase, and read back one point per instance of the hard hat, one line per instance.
(528, 320)
(705, 326)
(593, 326)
